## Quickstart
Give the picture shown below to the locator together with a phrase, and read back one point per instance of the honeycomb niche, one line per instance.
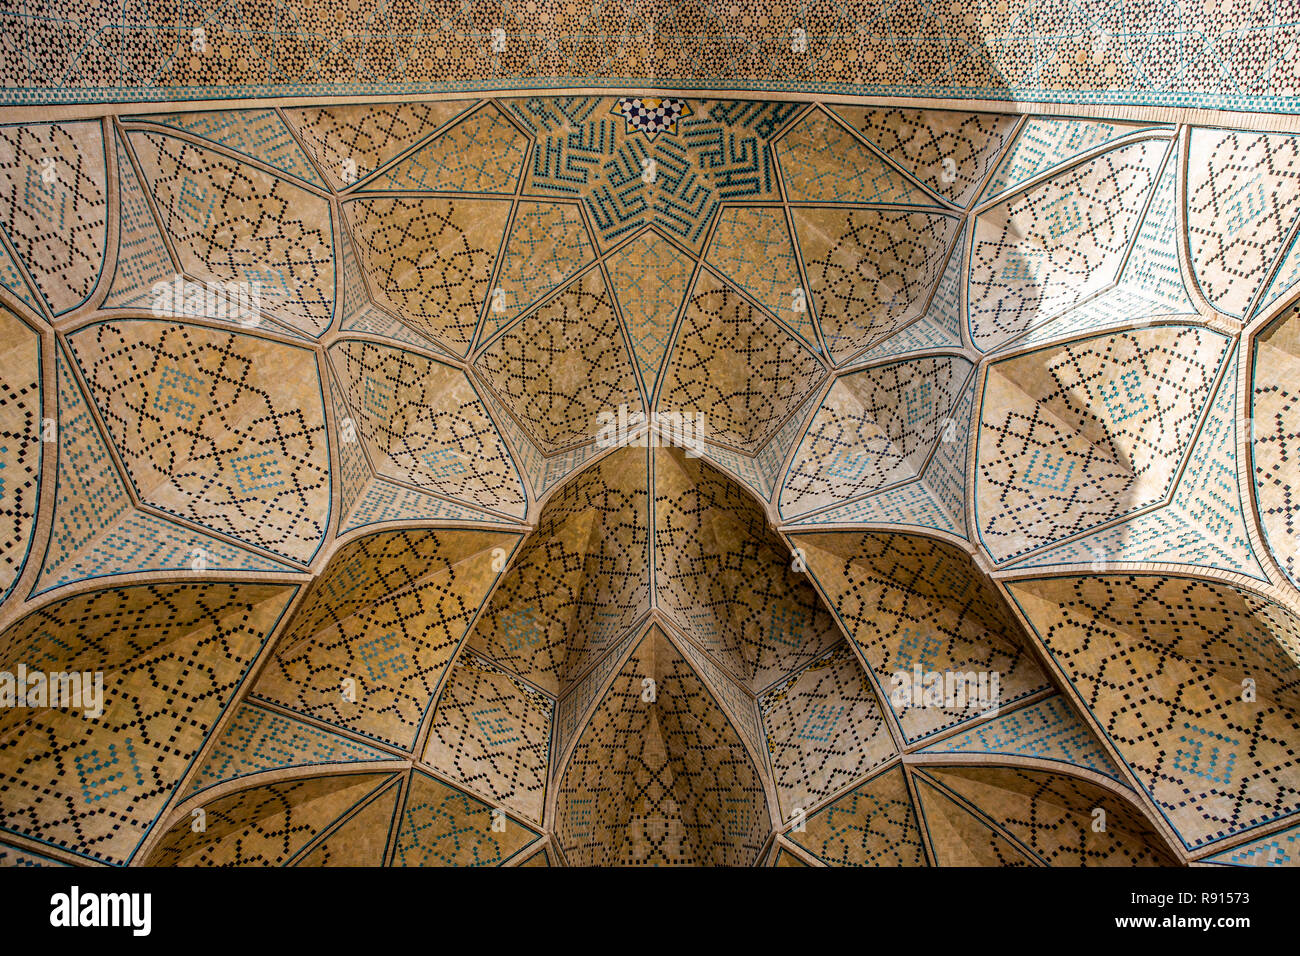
(398, 469)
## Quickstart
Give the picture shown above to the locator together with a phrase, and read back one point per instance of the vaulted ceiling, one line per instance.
(977, 392)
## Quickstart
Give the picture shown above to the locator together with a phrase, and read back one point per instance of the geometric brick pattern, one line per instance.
(937, 342)
(736, 367)
(627, 180)
(430, 260)
(1017, 53)
(875, 428)
(350, 142)
(1052, 816)
(225, 429)
(370, 646)
(20, 444)
(98, 532)
(490, 732)
(259, 134)
(1162, 664)
(1041, 251)
(872, 825)
(949, 152)
(1243, 194)
(441, 826)
(481, 154)
(1074, 435)
(659, 777)
(915, 606)
(172, 657)
(957, 835)
(824, 729)
(424, 425)
(563, 365)
(1275, 438)
(869, 270)
(53, 206)
(649, 276)
(580, 580)
(1045, 730)
(230, 222)
(257, 740)
(265, 826)
(822, 162)
(752, 248)
(727, 580)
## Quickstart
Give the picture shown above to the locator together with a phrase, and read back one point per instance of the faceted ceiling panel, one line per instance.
(620, 479)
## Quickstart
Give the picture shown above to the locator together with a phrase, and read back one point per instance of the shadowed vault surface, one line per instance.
(1004, 396)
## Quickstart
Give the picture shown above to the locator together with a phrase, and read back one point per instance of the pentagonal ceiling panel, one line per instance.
(548, 243)
(869, 270)
(351, 142)
(1162, 663)
(1203, 525)
(369, 647)
(429, 261)
(920, 612)
(54, 205)
(424, 424)
(231, 222)
(1074, 435)
(650, 277)
(96, 785)
(659, 775)
(1040, 252)
(98, 531)
(221, 428)
(751, 247)
(1047, 142)
(257, 134)
(874, 428)
(1242, 198)
(562, 366)
(935, 498)
(490, 733)
(366, 498)
(735, 366)
(948, 151)
(825, 729)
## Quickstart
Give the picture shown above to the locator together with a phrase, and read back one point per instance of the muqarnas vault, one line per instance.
(985, 549)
